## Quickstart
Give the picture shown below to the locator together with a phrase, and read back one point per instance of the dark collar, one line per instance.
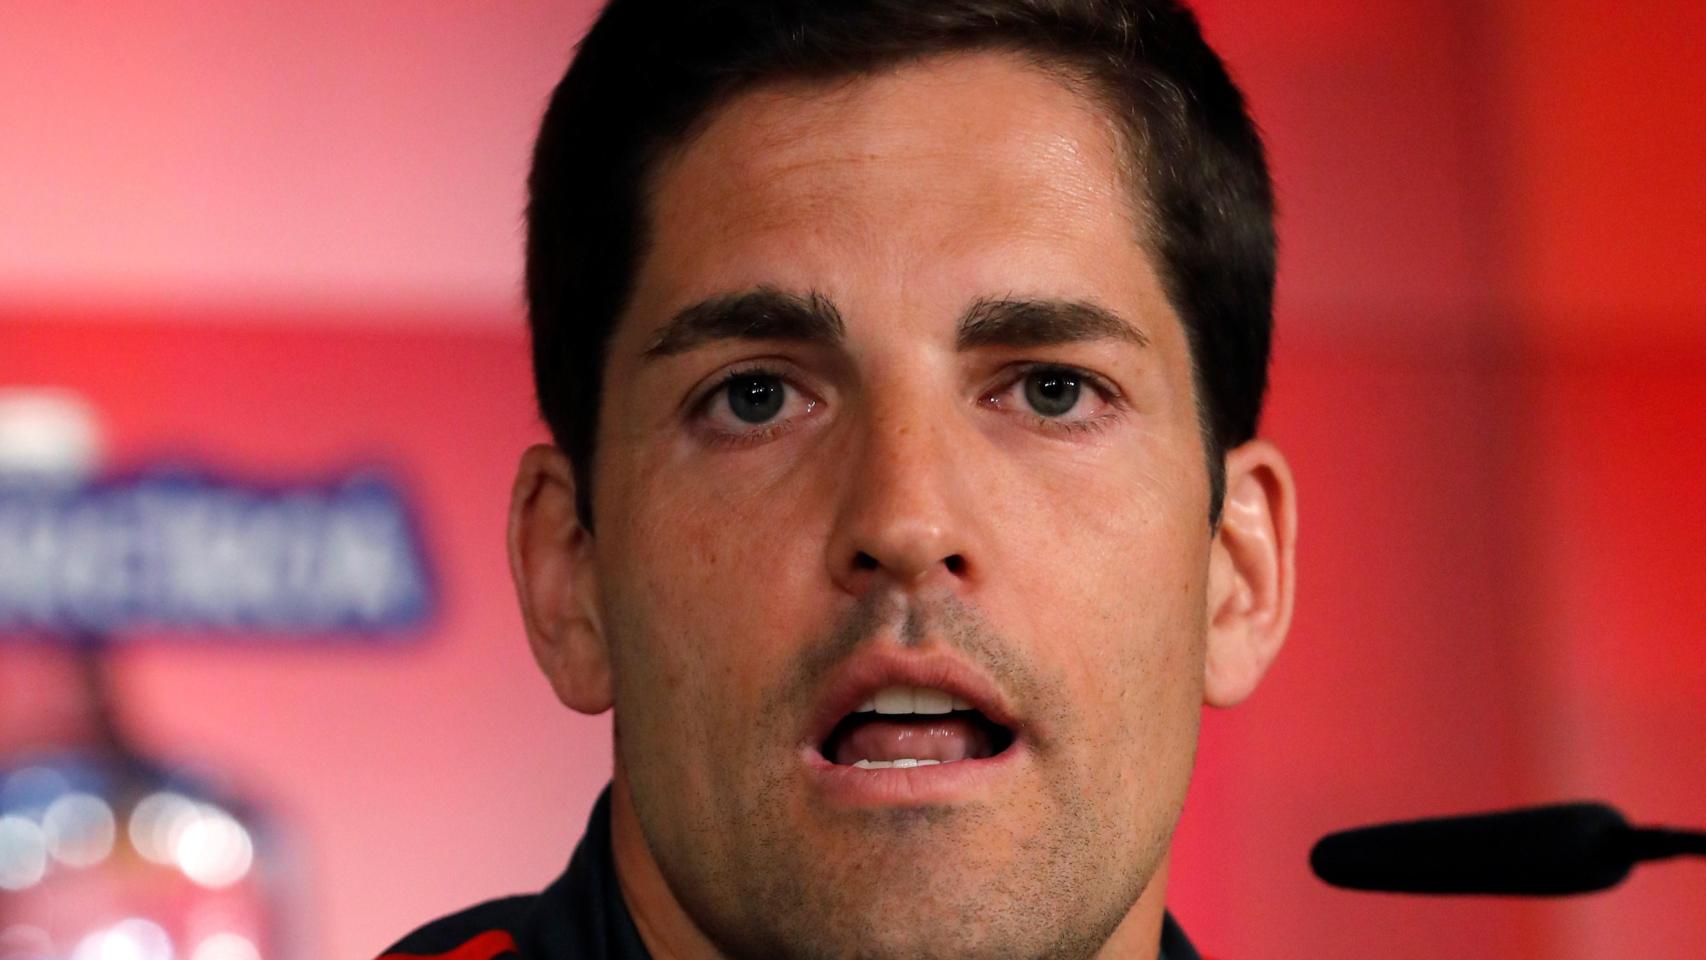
(1174, 944)
(582, 916)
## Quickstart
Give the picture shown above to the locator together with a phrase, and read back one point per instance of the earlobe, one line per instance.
(551, 559)
(1252, 573)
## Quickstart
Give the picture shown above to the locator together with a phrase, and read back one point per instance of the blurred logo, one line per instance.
(183, 550)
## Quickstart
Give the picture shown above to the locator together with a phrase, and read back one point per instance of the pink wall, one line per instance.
(322, 150)
(287, 241)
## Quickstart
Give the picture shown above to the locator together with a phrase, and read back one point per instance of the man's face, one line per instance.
(899, 404)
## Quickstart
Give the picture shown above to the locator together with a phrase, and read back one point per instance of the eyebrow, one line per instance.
(1010, 322)
(762, 314)
(767, 313)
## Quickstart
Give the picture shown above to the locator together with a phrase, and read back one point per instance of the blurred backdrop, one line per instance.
(275, 248)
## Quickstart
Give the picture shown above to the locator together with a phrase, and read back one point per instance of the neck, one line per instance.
(669, 934)
(1138, 937)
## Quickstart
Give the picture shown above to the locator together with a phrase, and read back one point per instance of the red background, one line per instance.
(285, 241)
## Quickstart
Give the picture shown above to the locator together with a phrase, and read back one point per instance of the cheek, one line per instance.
(1126, 550)
(1128, 511)
(701, 585)
(696, 533)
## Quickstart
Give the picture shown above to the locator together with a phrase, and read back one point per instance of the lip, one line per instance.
(873, 670)
(867, 673)
(944, 783)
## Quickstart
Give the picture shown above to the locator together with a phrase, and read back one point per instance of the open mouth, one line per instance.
(902, 727)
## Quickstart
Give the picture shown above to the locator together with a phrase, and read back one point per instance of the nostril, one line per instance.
(956, 565)
(864, 561)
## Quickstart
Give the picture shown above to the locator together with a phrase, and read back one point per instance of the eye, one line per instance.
(753, 404)
(1052, 391)
(755, 397)
(1058, 398)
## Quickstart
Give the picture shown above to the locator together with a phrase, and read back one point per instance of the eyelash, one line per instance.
(1090, 425)
(758, 434)
(761, 434)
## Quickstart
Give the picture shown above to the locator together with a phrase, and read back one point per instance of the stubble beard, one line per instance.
(1053, 900)
(765, 874)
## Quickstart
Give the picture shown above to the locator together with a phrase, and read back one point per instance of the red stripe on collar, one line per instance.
(487, 946)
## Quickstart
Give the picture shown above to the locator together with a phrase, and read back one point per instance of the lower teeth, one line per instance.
(886, 764)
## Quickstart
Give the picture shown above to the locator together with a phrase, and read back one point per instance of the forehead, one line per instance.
(975, 172)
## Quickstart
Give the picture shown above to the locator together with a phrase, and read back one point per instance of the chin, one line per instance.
(920, 897)
(900, 925)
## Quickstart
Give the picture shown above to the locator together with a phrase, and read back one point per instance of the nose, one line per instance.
(904, 519)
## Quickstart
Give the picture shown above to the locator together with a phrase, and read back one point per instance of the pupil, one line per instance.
(756, 398)
(1052, 392)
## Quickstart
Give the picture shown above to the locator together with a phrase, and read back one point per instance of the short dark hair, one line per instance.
(649, 70)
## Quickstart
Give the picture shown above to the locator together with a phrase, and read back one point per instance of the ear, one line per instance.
(1252, 573)
(551, 558)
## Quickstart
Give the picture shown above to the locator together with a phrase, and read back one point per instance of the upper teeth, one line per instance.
(913, 700)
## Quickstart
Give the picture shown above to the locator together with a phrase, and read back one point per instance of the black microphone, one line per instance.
(1540, 851)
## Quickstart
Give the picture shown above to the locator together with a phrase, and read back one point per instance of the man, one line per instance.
(903, 359)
